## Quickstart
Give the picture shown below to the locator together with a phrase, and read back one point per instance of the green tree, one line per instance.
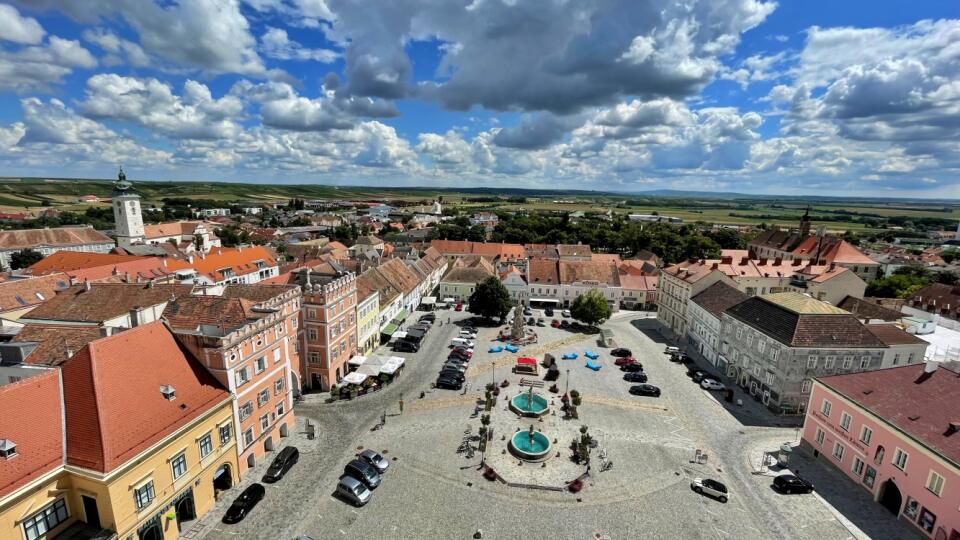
(490, 299)
(24, 258)
(903, 283)
(590, 308)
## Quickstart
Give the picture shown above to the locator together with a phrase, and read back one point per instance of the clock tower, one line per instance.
(126, 212)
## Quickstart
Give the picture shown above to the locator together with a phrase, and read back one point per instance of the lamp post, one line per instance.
(493, 374)
(567, 391)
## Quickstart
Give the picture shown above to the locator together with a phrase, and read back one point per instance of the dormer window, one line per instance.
(8, 449)
(168, 392)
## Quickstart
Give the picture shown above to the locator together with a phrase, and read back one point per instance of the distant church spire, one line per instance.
(805, 223)
(121, 177)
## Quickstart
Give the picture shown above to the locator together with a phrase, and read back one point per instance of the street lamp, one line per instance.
(567, 391)
(493, 374)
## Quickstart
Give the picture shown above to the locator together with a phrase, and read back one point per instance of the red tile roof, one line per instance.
(543, 272)
(240, 260)
(833, 250)
(398, 274)
(581, 271)
(104, 301)
(16, 294)
(919, 404)
(31, 420)
(104, 379)
(505, 252)
(101, 266)
(59, 237)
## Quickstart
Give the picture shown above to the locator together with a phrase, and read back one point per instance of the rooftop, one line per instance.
(868, 310)
(922, 405)
(802, 304)
(104, 301)
(718, 297)
(32, 422)
(891, 334)
(55, 343)
(16, 294)
(100, 266)
(62, 236)
(240, 261)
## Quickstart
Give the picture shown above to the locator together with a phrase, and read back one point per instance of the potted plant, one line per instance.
(485, 422)
(488, 404)
(554, 389)
(384, 378)
(334, 392)
(575, 402)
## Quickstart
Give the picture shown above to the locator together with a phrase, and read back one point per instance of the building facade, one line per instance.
(330, 330)
(368, 324)
(706, 312)
(891, 433)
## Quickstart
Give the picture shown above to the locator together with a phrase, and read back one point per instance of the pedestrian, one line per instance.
(401, 406)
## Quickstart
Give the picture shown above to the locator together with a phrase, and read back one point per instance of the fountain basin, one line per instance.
(530, 405)
(529, 446)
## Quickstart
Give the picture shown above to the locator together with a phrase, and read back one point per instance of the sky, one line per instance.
(799, 97)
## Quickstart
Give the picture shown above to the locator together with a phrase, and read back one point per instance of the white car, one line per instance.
(712, 488)
(710, 384)
(468, 334)
(566, 313)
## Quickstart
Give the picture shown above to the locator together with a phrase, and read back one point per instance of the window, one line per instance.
(260, 364)
(847, 362)
(179, 466)
(774, 354)
(144, 495)
(206, 445)
(263, 397)
(760, 345)
(739, 332)
(243, 376)
(248, 437)
(311, 314)
(225, 434)
(276, 355)
(313, 357)
(264, 422)
(900, 459)
(864, 361)
(838, 451)
(820, 436)
(278, 386)
(805, 387)
(845, 421)
(246, 410)
(896, 359)
(312, 334)
(825, 409)
(48, 518)
(828, 361)
(935, 483)
(812, 361)
(865, 435)
(910, 358)
(857, 466)
(280, 409)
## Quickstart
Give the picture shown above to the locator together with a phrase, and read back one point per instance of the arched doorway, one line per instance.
(251, 460)
(222, 478)
(151, 530)
(268, 444)
(185, 509)
(284, 431)
(890, 497)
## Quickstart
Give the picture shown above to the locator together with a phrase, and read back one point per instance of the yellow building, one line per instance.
(150, 440)
(368, 319)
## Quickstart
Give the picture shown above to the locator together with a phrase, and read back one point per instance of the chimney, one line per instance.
(69, 353)
(87, 286)
(714, 266)
(726, 260)
(930, 366)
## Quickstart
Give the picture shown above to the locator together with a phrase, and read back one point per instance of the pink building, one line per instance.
(895, 433)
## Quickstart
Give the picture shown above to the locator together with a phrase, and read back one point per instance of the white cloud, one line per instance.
(276, 44)
(17, 28)
(120, 50)
(38, 66)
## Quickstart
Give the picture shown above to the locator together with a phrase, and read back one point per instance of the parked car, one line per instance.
(671, 350)
(466, 351)
(566, 313)
(548, 312)
(635, 376)
(405, 346)
(711, 488)
(428, 317)
(422, 327)
(459, 357)
(353, 491)
(699, 376)
(621, 352)
(630, 368)
(287, 458)
(789, 483)
(555, 323)
(680, 358)
(453, 365)
(624, 360)
(372, 457)
(244, 503)
(564, 324)
(711, 384)
(459, 307)
(461, 342)
(527, 311)
(541, 322)
(452, 373)
(449, 382)
(364, 472)
(645, 390)
(531, 322)
(468, 334)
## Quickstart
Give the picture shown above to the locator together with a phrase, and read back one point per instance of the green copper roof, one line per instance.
(802, 304)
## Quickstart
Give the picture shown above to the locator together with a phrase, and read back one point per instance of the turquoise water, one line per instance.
(523, 402)
(536, 445)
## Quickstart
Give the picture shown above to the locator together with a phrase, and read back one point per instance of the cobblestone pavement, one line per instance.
(431, 491)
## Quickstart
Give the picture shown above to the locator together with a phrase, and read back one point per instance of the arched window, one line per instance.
(878, 457)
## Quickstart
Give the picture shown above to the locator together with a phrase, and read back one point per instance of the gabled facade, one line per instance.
(330, 329)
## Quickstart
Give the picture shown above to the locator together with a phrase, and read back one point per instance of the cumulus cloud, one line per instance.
(119, 50)
(152, 104)
(17, 28)
(38, 66)
(276, 44)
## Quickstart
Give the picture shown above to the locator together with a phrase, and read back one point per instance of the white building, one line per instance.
(705, 313)
(212, 212)
(126, 212)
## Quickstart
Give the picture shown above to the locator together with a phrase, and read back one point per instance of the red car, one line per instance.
(459, 307)
(624, 361)
(555, 323)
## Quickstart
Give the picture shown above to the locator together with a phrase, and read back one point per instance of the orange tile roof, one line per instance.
(694, 270)
(506, 252)
(61, 236)
(631, 282)
(104, 301)
(62, 261)
(398, 274)
(543, 272)
(102, 266)
(580, 271)
(605, 257)
(32, 420)
(16, 294)
(192, 312)
(175, 228)
(240, 260)
(832, 249)
(102, 380)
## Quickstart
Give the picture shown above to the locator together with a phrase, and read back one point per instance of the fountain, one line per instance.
(528, 404)
(530, 445)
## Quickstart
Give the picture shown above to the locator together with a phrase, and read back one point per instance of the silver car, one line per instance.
(712, 488)
(353, 490)
(375, 459)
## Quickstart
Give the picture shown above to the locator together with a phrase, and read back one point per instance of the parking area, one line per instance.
(432, 490)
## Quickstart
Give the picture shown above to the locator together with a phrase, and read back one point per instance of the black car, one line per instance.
(281, 464)
(243, 504)
(699, 375)
(405, 346)
(788, 483)
(531, 321)
(450, 383)
(636, 376)
(423, 327)
(632, 368)
(428, 317)
(457, 355)
(680, 358)
(645, 390)
(452, 373)
(621, 352)
(564, 324)
(548, 312)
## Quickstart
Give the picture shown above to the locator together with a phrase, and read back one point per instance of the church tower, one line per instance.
(805, 224)
(126, 212)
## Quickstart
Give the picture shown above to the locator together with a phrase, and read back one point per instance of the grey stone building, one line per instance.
(774, 345)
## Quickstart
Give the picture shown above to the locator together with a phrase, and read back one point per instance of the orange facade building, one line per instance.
(330, 329)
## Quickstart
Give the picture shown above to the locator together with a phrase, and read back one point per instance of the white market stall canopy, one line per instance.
(354, 377)
(393, 364)
(357, 360)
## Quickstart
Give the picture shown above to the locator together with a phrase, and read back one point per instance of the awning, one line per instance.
(449, 300)
(354, 377)
(527, 361)
(393, 364)
(428, 300)
(389, 329)
(401, 316)
(398, 335)
(357, 360)
(541, 300)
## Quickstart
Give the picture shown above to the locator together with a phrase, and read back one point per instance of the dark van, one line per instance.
(281, 464)
(364, 472)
